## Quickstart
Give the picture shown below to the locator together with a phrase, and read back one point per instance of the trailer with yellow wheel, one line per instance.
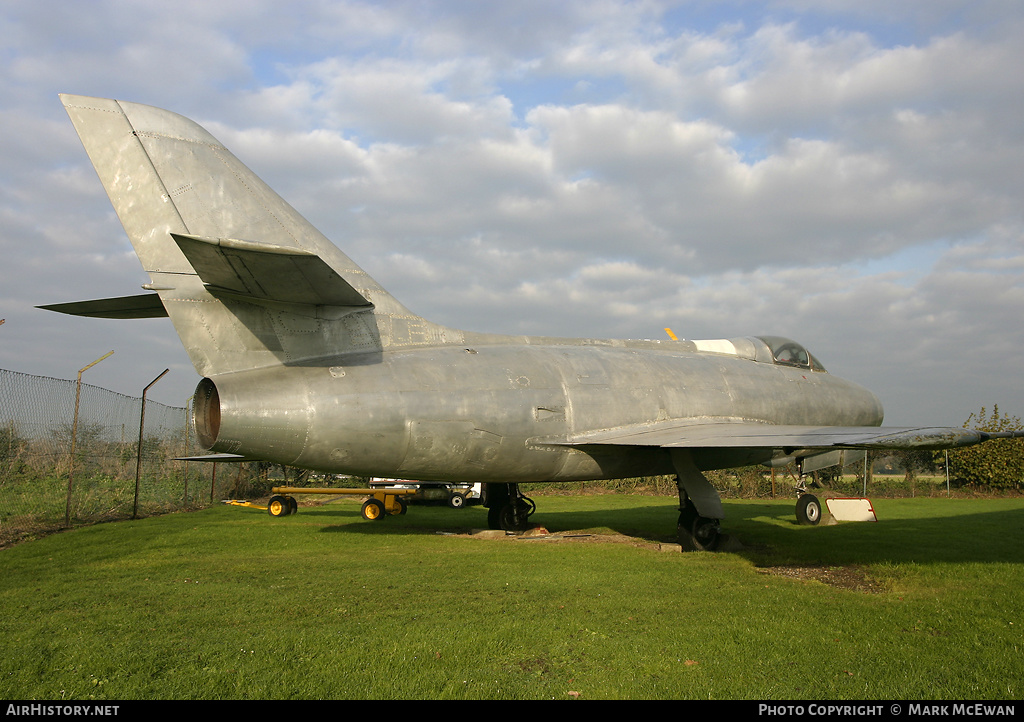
(381, 503)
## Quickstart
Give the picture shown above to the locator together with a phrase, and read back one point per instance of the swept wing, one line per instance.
(687, 434)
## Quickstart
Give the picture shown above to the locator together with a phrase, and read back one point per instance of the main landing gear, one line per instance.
(700, 507)
(696, 533)
(507, 508)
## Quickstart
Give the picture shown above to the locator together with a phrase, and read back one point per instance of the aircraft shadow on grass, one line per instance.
(763, 531)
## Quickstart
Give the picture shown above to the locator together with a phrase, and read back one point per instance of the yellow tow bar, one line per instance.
(242, 502)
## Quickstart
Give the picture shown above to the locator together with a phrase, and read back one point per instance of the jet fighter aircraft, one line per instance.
(307, 361)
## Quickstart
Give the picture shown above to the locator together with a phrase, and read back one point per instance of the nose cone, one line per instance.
(878, 411)
(854, 405)
(867, 407)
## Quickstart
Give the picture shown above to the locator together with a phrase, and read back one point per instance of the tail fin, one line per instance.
(245, 279)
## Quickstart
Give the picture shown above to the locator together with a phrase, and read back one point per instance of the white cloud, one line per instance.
(787, 168)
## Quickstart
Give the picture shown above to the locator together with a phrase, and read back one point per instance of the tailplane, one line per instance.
(246, 280)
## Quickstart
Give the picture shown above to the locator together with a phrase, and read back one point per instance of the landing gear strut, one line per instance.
(700, 507)
(507, 508)
(696, 533)
(808, 508)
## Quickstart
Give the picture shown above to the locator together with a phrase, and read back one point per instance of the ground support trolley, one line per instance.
(380, 504)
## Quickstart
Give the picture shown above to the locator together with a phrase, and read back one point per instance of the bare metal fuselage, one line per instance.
(494, 411)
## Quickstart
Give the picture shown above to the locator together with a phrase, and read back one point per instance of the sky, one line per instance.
(848, 174)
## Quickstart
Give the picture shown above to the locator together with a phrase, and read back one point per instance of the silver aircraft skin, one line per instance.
(307, 361)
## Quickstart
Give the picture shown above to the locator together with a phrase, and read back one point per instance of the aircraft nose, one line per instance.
(875, 410)
(865, 408)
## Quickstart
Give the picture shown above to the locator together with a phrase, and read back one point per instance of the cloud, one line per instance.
(842, 173)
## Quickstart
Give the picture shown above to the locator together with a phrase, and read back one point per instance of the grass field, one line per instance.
(229, 603)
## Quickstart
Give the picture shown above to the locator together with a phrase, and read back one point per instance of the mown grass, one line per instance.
(229, 603)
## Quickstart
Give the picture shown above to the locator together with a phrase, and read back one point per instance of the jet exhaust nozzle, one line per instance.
(206, 413)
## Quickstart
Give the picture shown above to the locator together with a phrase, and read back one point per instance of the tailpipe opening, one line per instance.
(206, 413)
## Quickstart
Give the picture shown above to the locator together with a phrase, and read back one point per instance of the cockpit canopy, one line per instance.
(763, 349)
(787, 352)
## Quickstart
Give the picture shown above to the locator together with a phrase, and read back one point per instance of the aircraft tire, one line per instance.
(515, 517)
(697, 533)
(373, 510)
(808, 510)
(278, 506)
(456, 500)
(496, 496)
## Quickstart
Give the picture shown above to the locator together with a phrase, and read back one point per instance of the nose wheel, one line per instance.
(808, 510)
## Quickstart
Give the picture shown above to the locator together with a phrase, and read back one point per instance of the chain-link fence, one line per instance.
(43, 486)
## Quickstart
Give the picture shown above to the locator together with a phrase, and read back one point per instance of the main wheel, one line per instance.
(496, 496)
(515, 516)
(697, 533)
(373, 510)
(278, 506)
(494, 517)
(808, 510)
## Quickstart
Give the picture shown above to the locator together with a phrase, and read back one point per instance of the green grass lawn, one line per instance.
(230, 603)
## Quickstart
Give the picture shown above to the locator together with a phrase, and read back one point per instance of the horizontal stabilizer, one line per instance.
(145, 305)
(216, 457)
(267, 272)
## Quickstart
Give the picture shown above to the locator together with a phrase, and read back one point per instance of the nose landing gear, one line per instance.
(808, 509)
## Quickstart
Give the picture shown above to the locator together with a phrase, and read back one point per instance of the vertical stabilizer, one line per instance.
(246, 280)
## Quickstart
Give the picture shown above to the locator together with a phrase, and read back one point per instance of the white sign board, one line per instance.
(851, 509)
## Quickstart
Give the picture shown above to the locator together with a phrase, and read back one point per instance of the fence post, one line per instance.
(184, 464)
(142, 424)
(74, 432)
